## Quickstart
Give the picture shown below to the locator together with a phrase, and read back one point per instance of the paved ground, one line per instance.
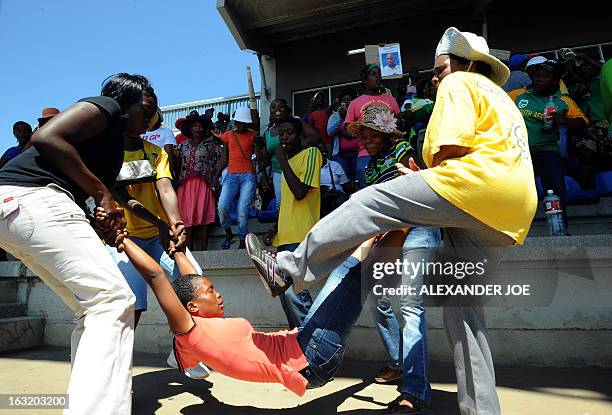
(160, 390)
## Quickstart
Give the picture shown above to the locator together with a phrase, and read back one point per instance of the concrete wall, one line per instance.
(323, 60)
(570, 326)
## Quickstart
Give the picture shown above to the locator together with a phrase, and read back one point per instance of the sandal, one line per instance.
(419, 406)
(388, 375)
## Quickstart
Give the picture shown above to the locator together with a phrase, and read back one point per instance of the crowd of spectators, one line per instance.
(224, 169)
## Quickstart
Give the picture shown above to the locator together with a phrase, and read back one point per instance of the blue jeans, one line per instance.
(362, 163)
(413, 341)
(348, 161)
(277, 180)
(153, 247)
(330, 321)
(234, 183)
(295, 305)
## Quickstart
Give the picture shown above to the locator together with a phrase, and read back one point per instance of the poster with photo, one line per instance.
(390, 61)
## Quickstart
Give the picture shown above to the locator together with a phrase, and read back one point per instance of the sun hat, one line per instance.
(243, 114)
(376, 117)
(48, 113)
(472, 47)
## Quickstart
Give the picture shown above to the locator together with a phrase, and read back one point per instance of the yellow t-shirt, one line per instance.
(296, 217)
(494, 182)
(146, 193)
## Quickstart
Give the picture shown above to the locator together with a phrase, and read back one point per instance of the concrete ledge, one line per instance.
(572, 328)
(18, 333)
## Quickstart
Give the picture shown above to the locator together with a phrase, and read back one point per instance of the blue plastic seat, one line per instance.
(576, 196)
(603, 183)
(270, 214)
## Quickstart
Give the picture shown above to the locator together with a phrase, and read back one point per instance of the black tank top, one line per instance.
(102, 154)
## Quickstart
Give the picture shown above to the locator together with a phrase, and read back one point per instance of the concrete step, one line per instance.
(18, 333)
(12, 310)
(217, 234)
(8, 290)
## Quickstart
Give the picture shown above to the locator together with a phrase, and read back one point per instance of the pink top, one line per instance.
(231, 347)
(358, 105)
(348, 144)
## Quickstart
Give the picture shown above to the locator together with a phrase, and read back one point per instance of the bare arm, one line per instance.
(184, 265)
(55, 142)
(299, 189)
(179, 319)
(223, 163)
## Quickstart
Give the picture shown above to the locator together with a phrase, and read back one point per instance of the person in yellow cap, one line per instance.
(478, 186)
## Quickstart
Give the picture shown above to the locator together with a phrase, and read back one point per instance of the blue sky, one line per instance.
(55, 52)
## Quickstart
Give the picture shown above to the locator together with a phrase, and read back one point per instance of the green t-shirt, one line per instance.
(382, 168)
(606, 91)
(591, 104)
(531, 106)
(272, 142)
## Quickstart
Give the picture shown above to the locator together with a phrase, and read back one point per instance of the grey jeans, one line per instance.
(408, 201)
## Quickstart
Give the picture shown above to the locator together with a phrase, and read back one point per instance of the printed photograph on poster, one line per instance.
(390, 60)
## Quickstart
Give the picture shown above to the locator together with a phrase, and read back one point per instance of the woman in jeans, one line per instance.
(302, 358)
(374, 94)
(384, 144)
(75, 156)
(240, 179)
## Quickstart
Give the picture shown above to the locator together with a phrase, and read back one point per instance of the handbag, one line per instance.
(136, 171)
(331, 198)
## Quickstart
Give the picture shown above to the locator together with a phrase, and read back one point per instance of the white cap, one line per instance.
(243, 114)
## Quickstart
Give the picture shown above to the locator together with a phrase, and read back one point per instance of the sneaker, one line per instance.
(420, 407)
(273, 279)
(388, 375)
(199, 371)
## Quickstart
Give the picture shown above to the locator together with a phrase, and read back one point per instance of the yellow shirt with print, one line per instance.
(296, 217)
(494, 181)
(146, 193)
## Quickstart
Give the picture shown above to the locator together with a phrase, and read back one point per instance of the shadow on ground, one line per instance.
(169, 383)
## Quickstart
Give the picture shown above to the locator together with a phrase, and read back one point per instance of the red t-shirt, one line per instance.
(318, 119)
(240, 154)
(358, 105)
(231, 347)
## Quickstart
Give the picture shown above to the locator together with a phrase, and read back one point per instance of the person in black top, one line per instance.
(43, 192)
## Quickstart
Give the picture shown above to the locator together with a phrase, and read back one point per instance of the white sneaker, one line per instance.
(199, 371)
(171, 360)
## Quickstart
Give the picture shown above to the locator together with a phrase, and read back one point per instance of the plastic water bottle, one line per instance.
(554, 214)
(547, 115)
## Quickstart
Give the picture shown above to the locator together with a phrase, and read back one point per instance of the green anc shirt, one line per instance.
(531, 106)
(382, 167)
(606, 91)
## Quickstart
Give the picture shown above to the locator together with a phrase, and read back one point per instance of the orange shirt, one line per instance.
(231, 347)
(240, 154)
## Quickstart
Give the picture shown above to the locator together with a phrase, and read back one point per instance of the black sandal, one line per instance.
(419, 406)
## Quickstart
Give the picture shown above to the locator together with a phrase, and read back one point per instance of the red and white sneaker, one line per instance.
(272, 277)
